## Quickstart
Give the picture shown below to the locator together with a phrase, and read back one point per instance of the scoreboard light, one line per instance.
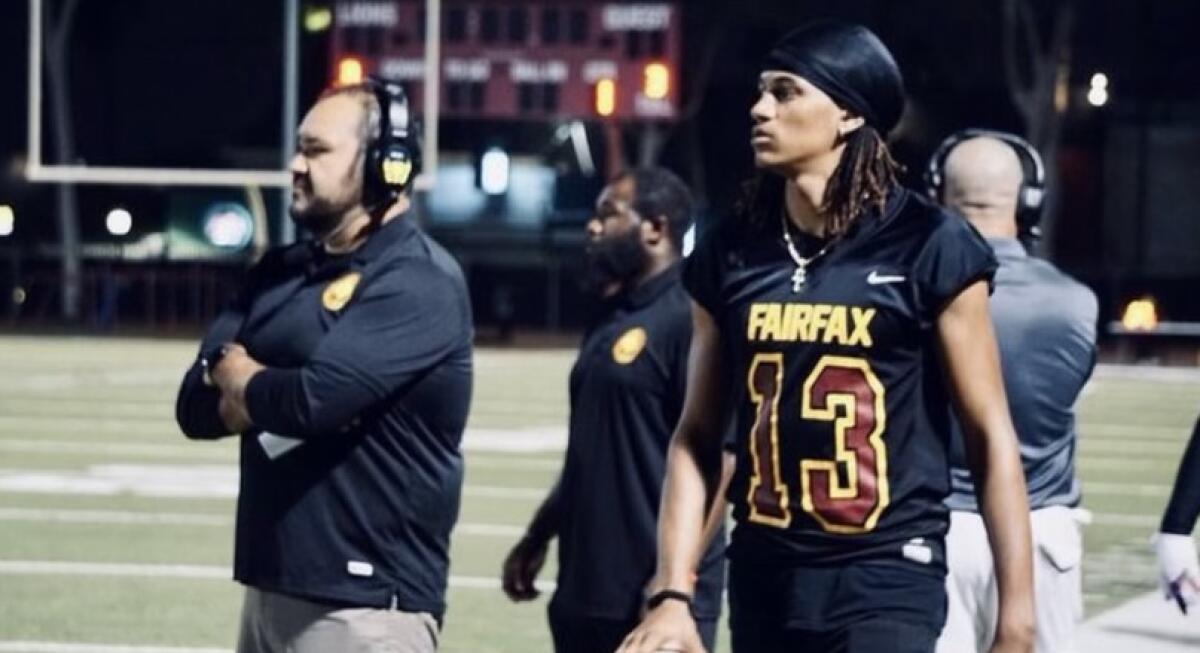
(349, 71)
(317, 19)
(656, 82)
(517, 59)
(606, 96)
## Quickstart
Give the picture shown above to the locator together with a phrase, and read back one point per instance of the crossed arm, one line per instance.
(388, 338)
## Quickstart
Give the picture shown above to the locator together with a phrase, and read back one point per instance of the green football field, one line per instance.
(116, 532)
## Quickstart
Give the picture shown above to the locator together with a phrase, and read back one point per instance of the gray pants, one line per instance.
(277, 623)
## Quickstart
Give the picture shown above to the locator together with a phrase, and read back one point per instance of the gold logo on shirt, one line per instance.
(631, 343)
(338, 293)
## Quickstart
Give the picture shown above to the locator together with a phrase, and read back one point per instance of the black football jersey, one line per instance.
(843, 417)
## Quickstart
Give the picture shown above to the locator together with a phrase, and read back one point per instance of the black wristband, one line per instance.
(658, 597)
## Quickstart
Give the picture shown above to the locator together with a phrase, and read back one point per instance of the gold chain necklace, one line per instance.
(800, 276)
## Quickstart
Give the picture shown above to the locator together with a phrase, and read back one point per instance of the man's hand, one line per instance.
(231, 375)
(521, 568)
(234, 370)
(1178, 569)
(667, 628)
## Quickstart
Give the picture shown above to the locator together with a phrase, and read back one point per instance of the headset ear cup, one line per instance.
(1033, 198)
(396, 168)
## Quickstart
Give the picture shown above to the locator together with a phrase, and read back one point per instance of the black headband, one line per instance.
(850, 64)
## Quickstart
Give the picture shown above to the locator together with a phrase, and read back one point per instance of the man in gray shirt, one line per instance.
(1046, 329)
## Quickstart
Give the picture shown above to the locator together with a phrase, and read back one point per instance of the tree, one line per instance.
(1037, 64)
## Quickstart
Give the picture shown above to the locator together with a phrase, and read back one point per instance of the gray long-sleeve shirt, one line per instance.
(1045, 326)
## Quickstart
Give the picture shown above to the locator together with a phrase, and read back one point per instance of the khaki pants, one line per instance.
(971, 584)
(277, 623)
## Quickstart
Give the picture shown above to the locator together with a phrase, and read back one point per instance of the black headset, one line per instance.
(393, 160)
(1033, 186)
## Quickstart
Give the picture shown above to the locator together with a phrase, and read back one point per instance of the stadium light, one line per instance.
(119, 221)
(228, 225)
(349, 71)
(1140, 315)
(8, 220)
(606, 97)
(317, 19)
(657, 81)
(493, 171)
(1097, 95)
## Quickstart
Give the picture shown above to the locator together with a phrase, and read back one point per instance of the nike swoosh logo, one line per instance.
(876, 279)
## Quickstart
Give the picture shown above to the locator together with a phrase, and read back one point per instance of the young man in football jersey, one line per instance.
(855, 313)
(1047, 357)
(627, 389)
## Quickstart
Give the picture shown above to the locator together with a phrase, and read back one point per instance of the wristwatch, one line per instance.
(209, 360)
(658, 597)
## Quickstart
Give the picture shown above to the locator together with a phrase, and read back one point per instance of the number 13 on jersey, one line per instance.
(845, 494)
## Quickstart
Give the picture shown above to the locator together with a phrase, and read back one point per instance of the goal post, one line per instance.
(36, 170)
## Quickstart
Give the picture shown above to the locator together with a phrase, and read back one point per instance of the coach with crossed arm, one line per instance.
(1046, 330)
(345, 366)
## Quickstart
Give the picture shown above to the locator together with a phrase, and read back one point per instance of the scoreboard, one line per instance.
(522, 59)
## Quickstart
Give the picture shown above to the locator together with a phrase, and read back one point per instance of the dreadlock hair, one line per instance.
(860, 183)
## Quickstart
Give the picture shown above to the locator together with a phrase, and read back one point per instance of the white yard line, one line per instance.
(174, 481)
(113, 517)
(1092, 488)
(16, 646)
(498, 492)
(483, 461)
(198, 451)
(475, 440)
(1090, 431)
(1148, 373)
(1124, 520)
(1132, 446)
(89, 425)
(538, 439)
(189, 572)
(41, 515)
(488, 530)
(124, 570)
(1123, 463)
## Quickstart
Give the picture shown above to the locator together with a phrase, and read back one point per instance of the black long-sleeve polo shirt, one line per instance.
(627, 388)
(351, 475)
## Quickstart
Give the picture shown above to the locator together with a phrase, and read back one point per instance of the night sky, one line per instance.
(197, 82)
(193, 82)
